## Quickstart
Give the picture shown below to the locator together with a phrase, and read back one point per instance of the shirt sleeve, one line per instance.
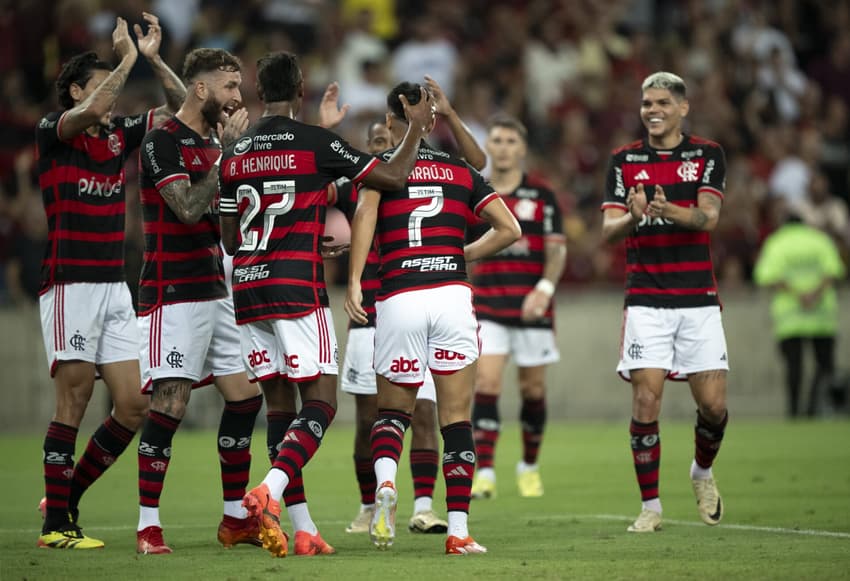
(615, 186)
(714, 174)
(161, 160)
(553, 221)
(134, 127)
(47, 132)
(336, 158)
(228, 204)
(482, 192)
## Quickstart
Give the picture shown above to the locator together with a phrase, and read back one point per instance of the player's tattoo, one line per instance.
(170, 394)
(114, 83)
(190, 202)
(698, 219)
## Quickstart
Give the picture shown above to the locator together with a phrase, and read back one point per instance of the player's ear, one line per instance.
(684, 107)
(76, 92)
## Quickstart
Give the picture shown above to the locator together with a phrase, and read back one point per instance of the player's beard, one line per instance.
(212, 111)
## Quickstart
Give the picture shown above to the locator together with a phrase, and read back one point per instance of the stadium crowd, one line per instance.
(770, 80)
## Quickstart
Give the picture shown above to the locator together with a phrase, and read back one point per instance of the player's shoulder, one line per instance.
(630, 147)
(697, 140)
(538, 184)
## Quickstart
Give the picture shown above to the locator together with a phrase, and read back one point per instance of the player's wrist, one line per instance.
(547, 287)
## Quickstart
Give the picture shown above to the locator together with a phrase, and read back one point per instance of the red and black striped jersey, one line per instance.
(346, 201)
(503, 280)
(182, 262)
(421, 229)
(275, 178)
(82, 186)
(668, 266)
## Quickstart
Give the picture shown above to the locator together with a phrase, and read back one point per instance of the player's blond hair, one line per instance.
(668, 81)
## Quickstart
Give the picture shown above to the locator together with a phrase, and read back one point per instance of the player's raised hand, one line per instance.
(330, 113)
(234, 125)
(122, 44)
(422, 114)
(441, 102)
(149, 42)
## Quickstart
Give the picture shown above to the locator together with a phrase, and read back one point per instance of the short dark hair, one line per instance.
(412, 91)
(77, 71)
(508, 122)
(278, 77)
(205, 60)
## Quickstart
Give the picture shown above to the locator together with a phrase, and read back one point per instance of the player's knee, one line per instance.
(713, 411)
(487, 385)
(532, 389)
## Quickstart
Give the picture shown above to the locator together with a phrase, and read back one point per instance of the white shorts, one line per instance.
(89, 321)
(529, 347)
(297, 349)
(196, 340)
(358, 373)
(682, 341)
(432, 329)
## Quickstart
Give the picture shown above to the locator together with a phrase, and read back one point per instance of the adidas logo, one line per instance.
(197, 161)
(642, 175)
(459, 472)
(723, 358)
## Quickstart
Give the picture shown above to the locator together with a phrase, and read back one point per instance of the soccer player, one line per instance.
(358, 376)
(663, 195)
(274, 200)
(424, 316)
(513, 300)
(185, 313)
(87, 315)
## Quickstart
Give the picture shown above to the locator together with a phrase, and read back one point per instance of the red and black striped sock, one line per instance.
(303, 438)
(366, 479)
(387, 435)
(458, 465)
(423, 468)
(278, 423)
(107, 443)
(485, 418)
(154, 456)
(234, 445)
(646, 451)
(58, 458)
(533, 418)
(707, 439)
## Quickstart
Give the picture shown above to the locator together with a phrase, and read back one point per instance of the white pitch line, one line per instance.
(608, 517)
(761, 529)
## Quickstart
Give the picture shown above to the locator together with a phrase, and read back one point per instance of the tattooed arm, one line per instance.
(191, 201)
(149, 44)
(100, 102)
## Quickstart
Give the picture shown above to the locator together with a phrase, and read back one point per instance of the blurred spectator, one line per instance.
(426, 52)
(791, 175)
(835, 146)
(801, 264)
(826, 212)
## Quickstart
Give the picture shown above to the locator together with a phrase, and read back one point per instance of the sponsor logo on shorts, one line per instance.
(256, 358)
(402, 365)
(291, 361)
(446, 355)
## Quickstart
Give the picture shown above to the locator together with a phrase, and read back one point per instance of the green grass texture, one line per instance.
(786, 487)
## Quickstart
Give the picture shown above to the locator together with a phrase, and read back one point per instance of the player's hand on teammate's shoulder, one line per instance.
(122, 44)
(330, 113)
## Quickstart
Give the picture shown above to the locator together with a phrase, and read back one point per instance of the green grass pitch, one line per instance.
(786, 486)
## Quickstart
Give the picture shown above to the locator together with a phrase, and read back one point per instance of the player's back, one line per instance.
(421, 228)
(276, 177)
